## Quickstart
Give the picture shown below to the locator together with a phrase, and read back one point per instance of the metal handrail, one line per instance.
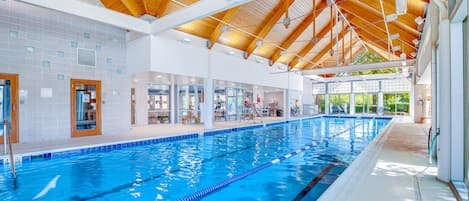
(6, 134)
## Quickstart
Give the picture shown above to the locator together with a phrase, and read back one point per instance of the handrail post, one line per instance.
(5, 121)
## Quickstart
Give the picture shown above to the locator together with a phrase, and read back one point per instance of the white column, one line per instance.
(457, 102)
(172, 103)
(380, 103)
(352, 103)
(327, 105)
(412, 98)
(286, 104)
(208, 96)
(444, 92)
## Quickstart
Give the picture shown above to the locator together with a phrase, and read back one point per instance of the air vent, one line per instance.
(86, 57)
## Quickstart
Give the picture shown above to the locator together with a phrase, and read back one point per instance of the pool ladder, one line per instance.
(7, 142)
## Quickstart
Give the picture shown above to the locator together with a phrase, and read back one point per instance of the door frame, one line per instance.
(74, 131)
(14, 105)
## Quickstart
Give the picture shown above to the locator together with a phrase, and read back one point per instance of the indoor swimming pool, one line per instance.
(283, 161)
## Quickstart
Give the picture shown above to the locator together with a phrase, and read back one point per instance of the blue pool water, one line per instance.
(174, 170)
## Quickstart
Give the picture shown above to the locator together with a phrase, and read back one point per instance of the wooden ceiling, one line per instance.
(294, 45)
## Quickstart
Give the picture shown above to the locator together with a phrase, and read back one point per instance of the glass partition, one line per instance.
(396, 103)
(366, 103)
(189, 99)
(339, 103)
(320, 102)
(158, 104)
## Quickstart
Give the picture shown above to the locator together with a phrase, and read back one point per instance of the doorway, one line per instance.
(85, 107)
(9, 104)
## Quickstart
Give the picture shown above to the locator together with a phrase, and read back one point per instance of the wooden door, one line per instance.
(85, 107)
(9, 104)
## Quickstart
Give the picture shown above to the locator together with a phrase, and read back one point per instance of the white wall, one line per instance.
(307, 91)
(53, 35)
(138, 55)
(175, 57)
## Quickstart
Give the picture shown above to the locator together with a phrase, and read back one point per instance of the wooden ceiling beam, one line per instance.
(299, 30)
(133, 7)
(390, 8)
(317, 59)
(267, 24)
(375, 19)
(365, 24)
(379, 47)
(162, 8)
(217, 31)
(354, 55)
(310, 45)
(341, 55)
(372, 12)
(145, 5)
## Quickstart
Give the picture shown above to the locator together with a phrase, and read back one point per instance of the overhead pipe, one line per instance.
(360, 67)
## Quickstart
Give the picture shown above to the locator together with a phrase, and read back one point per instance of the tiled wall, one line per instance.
(40, 45)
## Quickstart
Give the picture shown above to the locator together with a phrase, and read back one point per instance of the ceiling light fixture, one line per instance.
(395, 36)
(286, 20)
(186, 41)
(415, 41)
(413, 54)
(224, 28)
(231, 52)
(260, 61)
(259, 43)
(419, 20)
(391, 17)
(396, 48)
(401, 7)
(403, 56)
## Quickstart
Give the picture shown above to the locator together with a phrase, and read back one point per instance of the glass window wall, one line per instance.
(190, 98)
(396, 103)
(158, 104)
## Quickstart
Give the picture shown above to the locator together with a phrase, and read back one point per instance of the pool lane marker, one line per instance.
(315, 181)
(216, 187)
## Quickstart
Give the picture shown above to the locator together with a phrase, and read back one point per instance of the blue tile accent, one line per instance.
(105, 148)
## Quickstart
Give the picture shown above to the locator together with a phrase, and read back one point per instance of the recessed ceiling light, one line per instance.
(231, 52)
(159, 76)
(415, 41)
(186, 40)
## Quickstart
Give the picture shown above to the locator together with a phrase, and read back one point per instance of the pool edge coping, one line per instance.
(353, 174)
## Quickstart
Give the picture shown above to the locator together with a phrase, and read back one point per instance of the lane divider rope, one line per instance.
(216, 187)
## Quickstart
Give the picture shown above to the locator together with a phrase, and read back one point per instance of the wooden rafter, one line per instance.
(396, 25)
(298, 30)
(270, 21)
(133, 7)
(217, 31)
(371, 37)
(379, 46)
(326, 57)
(317, 59)
(308, 47)
(162, 8)
(145, 6)
(357, 10)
